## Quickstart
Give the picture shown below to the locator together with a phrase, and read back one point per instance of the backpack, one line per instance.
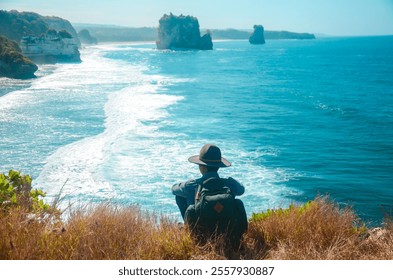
(216, 211)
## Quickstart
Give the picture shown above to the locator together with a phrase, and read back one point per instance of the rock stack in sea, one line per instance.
(257, 37)
(182, 32)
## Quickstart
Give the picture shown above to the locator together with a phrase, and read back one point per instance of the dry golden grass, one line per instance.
(104, 232)
(319, 231)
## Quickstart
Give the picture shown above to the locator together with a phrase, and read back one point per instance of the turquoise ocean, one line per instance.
(297, 119)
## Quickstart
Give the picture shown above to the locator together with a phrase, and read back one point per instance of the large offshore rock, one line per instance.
(181, 32)
(257, 37)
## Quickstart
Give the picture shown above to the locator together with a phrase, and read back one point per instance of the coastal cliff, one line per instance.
(59, 24)
(15, 25)
(51, 48)
(12, 62)
(181, 32)
(287, 35)
(42, 39)
(257, 37)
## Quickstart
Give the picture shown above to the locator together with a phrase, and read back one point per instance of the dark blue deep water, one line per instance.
(297, 119)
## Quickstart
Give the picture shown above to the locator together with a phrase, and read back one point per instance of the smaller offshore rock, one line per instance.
(257, 37)
(206, 42)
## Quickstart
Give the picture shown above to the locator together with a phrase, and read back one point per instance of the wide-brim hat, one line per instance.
(210, 155)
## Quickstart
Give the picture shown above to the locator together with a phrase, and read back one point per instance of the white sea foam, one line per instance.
(81, 164)
(66, 78)
(12, 101)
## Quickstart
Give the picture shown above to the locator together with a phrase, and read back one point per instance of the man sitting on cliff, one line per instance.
(209, 202)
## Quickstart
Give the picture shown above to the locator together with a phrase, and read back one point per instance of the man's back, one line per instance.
(217, 212)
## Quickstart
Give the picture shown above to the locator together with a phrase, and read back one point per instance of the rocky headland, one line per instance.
(60, 24)
(258, 36)
(182, 32)
(287, 35)
(42, 39)
(86, 38)
(13, 64)
(51, 47)
(15, 25)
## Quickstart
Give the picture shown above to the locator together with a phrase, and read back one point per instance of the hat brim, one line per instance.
(222, 163)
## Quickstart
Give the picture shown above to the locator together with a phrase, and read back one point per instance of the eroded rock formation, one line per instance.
(181, 32)
(257, 37)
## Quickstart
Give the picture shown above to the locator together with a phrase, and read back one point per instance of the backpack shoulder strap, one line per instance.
(210, 184)
(198, 193)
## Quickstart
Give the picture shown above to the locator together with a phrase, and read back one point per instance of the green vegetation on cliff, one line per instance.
(30, 31)
(13, 63)
(318, 229)
(14, 25)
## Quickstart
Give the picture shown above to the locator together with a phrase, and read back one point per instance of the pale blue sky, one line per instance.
(332, 17)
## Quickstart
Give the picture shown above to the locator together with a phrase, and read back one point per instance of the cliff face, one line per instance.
(257, 37)
(206, 42)
(12, 63)
(59, 24)
(15, 25)
(51, 48)
(181, 32)
(42, 39)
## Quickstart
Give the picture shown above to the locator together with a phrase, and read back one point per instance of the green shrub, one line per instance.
(16, 191)
(299, 210)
